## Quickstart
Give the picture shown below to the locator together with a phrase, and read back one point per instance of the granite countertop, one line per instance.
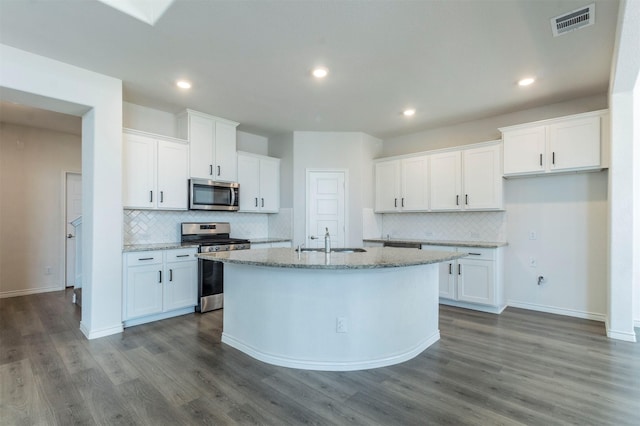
(269, 240)
(156, 246)
(373, 258)
(478, 244)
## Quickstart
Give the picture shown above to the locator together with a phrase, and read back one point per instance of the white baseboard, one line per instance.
(101, 332)
(636, 323)
(26, 292)
(476, 307)
(559, 311)
(330, 365)
(621, 335)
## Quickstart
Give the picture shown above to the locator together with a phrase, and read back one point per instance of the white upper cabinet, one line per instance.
(572, 143)
(155, 171)
(212, 145)
(449, 180)
(402, 185)
(414, 188)
(387, 186)
(482, 178)
(259, 179)
(446, 181)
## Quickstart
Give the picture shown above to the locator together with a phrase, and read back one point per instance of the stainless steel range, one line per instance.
(211, 237)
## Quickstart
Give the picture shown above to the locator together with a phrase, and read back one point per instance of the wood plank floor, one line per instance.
(520, 367)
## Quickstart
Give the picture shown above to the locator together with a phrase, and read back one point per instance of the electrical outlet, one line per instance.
(533, 235)
(533, 262)
(341, 325)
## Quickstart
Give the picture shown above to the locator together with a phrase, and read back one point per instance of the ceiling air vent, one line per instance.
(579, 18)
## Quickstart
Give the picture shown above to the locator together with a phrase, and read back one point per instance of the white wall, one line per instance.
(249, 142)
(50, 84)
(282, 147)
(149, 120)
(352, 151)
(624, 276)
(32, 166)
(568, 214)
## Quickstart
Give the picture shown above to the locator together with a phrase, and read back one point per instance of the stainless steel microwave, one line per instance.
(207, 194)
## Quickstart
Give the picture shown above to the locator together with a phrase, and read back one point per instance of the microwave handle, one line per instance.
(233, 196)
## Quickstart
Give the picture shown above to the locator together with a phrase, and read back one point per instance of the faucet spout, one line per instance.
(327, 241)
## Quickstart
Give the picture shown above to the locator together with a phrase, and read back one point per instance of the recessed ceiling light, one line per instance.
(409, 112)
(526, 81)
(183, 84)
(320, 72)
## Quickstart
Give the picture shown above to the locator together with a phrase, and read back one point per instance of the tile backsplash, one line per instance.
(466, 226)
(158, 226)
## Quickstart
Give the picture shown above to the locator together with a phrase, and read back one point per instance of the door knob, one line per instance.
(70, 236)
(313, 237)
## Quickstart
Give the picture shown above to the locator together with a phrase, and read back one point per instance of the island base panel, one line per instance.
(288, 316)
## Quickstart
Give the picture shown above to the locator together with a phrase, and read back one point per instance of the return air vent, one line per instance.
(579, 18)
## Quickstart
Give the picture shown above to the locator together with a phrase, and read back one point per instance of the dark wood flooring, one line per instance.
(520, 367)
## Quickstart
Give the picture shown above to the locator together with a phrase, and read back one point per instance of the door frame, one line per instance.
(63, 227)
(308, 172)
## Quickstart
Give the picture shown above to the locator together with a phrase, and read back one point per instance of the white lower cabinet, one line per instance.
(474, 281)
(159, 284)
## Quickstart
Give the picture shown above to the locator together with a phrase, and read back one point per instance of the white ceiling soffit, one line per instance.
(576, 19)
(148, 11)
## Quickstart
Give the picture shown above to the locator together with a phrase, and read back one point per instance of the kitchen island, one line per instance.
(339, 311)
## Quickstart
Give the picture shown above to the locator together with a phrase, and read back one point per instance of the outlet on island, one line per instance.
(341, 325)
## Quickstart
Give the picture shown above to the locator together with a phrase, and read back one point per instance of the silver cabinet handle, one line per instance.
(162, 196)
(182, 255)
(395, 202)
(466, 199)
(151, 196)
(459, 269)
(262, 202)
(450, 265)
(218, 170)
(475, 254)
(160, 276)
(211, 169)
(541, 159)
(145, 258)
(170, 274)
(402, 202)
(256, 201)
(553, 158)
(457, 200)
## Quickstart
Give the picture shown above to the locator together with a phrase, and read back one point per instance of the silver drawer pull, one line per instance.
(146, 258)
(475, 254)
(183, 255)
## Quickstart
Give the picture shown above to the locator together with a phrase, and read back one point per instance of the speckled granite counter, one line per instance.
(479, 244)
(155, 246)
(373, 258)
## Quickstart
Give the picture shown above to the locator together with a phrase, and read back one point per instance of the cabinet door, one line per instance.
(180, 285)
(269, 185)
(415, 184)
(225, 153)
(574, 144)
(144, 290)
(476, 282)
(482, 178)
(173, 165)
(387, 186)
(248, 178)
(138, 171)
(448, 271)
(201, 142)
(524, 151)
(445, 181)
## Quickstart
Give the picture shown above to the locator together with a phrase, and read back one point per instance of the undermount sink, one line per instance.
(335, 250)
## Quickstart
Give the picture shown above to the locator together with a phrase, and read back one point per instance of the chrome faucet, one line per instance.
(327, 241)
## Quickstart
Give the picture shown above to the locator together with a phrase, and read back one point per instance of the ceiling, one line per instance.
(250, 61)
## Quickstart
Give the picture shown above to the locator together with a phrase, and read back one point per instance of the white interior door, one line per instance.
(326, 207)
(73, 210)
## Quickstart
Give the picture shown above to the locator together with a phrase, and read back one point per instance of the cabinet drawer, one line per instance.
(180, 255)
(478, 253)
(140, 258)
